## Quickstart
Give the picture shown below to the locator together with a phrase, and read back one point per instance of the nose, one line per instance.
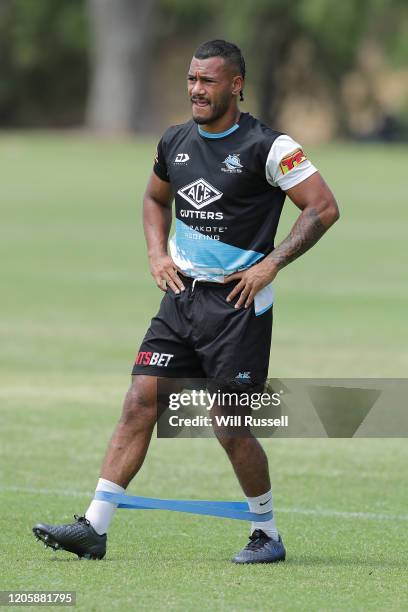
(198, 88)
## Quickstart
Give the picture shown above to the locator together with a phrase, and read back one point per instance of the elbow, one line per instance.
(335, 213)
(331, 212)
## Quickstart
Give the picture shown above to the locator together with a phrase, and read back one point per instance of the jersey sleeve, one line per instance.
(287, 164)
(160, 164)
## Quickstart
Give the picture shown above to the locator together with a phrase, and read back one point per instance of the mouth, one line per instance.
(200, 103)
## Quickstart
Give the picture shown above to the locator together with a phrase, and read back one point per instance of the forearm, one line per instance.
(307, 230)
(319, 211)
(157, 224)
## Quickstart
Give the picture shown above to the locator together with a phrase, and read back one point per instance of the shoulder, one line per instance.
(284, 161)
(261, 139)
(261, 134)
(175, 133)
(269, 138)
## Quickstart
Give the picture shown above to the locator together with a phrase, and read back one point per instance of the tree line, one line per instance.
(94, 62)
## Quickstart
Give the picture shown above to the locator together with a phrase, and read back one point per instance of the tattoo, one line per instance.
(307, 230)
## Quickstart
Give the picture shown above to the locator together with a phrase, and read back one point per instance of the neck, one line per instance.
(224, 123)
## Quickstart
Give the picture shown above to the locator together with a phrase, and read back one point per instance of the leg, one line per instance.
(251, 467)
(131, 438)
(130, 441)
(127, 448)
(124, 457)
(250, 464)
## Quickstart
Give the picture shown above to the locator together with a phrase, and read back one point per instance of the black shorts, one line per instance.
(198, 334)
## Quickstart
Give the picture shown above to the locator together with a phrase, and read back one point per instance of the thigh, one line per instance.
(166, 350)
(239, 350)
(149, 395)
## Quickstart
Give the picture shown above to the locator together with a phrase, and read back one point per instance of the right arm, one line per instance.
(157, 222)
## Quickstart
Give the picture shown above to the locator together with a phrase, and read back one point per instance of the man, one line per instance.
(229, 175)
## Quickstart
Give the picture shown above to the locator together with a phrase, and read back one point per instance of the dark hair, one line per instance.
(221, 48)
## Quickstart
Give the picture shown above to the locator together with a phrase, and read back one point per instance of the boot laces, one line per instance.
(81, 519)
(257, 540)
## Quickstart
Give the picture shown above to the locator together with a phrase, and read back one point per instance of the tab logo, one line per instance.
(199, 193)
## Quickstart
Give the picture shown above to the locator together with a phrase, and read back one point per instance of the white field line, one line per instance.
(373, 516)
(309, 512)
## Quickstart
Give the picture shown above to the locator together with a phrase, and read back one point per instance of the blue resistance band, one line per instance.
(232, 510)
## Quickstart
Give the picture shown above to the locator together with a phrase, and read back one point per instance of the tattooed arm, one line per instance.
(319, 212)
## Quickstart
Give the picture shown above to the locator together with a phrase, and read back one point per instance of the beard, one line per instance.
(218, 110)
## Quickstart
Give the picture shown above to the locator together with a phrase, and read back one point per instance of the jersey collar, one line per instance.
(217, 134)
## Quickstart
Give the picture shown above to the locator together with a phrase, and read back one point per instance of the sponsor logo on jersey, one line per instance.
(181, 158)
(148, 358)
(232, 163)
(201, 214)
(292, 160)
(200, 193)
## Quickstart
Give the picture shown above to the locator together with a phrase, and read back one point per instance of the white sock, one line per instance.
(100, 513)
(260, 505)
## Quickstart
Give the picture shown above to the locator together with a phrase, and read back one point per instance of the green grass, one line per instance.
(76, 300)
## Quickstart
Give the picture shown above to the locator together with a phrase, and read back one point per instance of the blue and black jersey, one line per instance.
(229, 191)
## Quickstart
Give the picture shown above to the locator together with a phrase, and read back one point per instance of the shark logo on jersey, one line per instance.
(233, 164)
(200, 193)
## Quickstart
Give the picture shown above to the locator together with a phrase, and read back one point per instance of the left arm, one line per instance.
(319, 211)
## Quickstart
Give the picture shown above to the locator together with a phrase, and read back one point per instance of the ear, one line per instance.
(237, 85)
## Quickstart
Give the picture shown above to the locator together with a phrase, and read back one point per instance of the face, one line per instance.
(212, 88)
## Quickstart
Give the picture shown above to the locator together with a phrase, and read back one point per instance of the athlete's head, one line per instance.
(215, 80)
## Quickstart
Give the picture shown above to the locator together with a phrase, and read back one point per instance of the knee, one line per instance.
(228, 444)
(139, 406)
(238, 444)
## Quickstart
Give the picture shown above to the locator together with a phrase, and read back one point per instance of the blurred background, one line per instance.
(86, 89)
(318, 68)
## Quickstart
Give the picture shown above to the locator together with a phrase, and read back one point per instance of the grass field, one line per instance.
(76, 300)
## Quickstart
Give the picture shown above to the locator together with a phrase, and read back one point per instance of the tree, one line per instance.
(43, 49)
(270, 30)
(122, 35)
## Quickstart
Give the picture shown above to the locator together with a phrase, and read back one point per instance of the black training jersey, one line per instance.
(229, 192)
